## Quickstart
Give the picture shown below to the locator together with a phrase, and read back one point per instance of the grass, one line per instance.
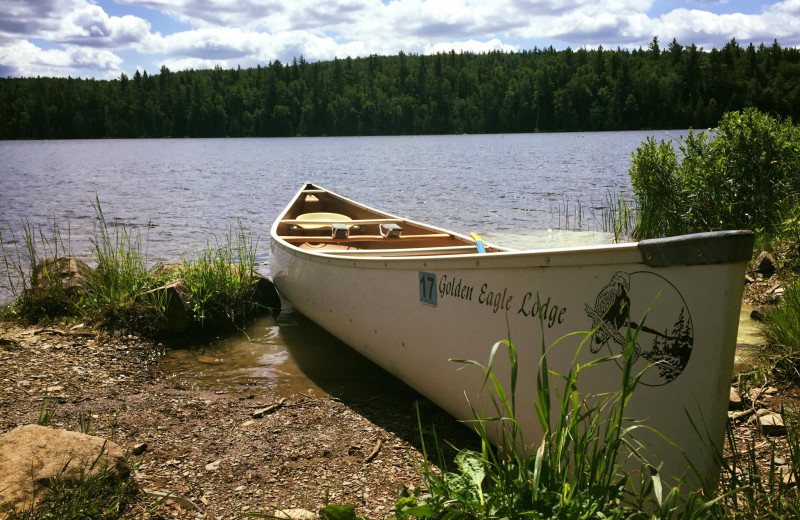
(97, 495)
(782, 332)
(36, 284)
(580, 468)
(220, 279)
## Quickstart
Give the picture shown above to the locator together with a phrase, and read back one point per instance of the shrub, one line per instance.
(744, 174)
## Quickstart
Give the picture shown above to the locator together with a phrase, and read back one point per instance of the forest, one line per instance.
(541, 90)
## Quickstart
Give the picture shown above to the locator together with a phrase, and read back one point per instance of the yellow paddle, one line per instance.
(479, 243)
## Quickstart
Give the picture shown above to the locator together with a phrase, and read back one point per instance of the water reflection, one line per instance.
(285, 355)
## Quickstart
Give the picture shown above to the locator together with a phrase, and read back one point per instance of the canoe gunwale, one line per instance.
(717, 247)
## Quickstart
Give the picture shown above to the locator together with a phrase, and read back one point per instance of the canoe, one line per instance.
(411, 297)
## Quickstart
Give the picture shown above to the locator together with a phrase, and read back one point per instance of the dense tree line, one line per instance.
(539, 90)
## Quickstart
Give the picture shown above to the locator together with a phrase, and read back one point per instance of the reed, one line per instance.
(120, 277)
(782, 331)
(579, 469)
(221, 279)
(34, 283)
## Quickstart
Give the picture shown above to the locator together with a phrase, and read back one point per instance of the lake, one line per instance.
(175, 191)
(512, 189)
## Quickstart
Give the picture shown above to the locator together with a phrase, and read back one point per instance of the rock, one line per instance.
(213, 466)
(295, 514)
(71, 274)
(31, 455)
(758, 314)
(759, 393)
(787, 477)
(139, 449)
(765, 264)
(735, 401)
(772, 424)
(170, 270)
(172, 297)
(265, 296)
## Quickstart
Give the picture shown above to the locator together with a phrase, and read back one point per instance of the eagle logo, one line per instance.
(666, 334)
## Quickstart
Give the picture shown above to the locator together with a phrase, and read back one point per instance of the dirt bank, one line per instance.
(221, 452)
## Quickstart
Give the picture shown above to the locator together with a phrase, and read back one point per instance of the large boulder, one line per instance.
(67, 273)
(176, 316)
(765, 264)
(30, 456)
(265, 296)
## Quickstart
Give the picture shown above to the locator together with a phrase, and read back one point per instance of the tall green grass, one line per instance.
(220, 278)
(35, 284)
(781, 329)
(581, 468)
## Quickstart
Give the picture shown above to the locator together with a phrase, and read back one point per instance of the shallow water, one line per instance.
(750, 341)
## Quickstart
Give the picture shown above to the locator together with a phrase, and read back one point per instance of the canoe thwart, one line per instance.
(359, 238)
(353, 222)
(340, 231)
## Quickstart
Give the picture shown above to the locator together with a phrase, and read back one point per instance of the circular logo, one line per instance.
(650, 305)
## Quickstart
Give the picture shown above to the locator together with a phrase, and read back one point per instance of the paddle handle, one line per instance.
(479, 243)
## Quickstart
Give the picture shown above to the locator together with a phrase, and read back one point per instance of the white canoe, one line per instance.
(413, 299)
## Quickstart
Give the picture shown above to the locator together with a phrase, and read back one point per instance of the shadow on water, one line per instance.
(292, 356)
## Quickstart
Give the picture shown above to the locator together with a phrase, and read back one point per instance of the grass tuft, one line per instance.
(48, 281)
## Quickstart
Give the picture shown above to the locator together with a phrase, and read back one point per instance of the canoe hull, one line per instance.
(412, 316)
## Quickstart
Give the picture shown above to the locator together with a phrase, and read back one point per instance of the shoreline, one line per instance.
(210, 449)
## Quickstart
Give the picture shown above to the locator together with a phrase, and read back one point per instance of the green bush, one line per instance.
(744, 174)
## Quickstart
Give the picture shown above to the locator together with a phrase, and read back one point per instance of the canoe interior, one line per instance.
(363, 229)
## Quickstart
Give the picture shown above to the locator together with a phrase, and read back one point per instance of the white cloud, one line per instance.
(78, 22)
(22, 58)
(471, 46)
(246, 32)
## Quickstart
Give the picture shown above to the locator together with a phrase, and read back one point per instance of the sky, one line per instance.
(105, 38)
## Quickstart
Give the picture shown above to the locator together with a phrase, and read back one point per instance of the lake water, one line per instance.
(513, 189)
(176, 191)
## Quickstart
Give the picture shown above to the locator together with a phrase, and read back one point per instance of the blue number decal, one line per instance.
(427, 288)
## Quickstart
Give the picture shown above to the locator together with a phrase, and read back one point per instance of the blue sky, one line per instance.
(105, 38)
